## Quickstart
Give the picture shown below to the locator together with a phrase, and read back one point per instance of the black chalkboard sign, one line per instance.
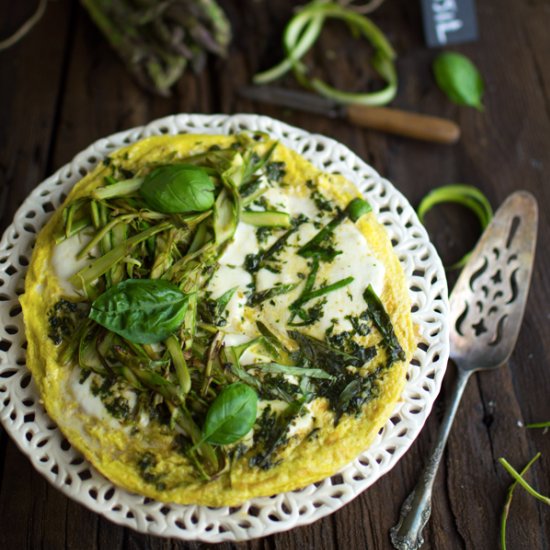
(449, 21)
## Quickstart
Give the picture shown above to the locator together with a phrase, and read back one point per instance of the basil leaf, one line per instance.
(231, 415)
(178, 188)
(459, 79)
(143, 311)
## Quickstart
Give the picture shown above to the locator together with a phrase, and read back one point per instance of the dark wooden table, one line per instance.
(62, 88)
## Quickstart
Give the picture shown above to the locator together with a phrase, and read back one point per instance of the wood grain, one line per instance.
(63, 87)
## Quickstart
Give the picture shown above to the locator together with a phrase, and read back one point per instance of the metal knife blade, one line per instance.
(293, 99)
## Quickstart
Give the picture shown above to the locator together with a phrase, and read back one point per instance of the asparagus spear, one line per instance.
(158, 40)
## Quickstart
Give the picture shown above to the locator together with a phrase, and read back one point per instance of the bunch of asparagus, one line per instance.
(158, 39)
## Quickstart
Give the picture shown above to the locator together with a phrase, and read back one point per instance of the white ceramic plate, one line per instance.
(39, 438)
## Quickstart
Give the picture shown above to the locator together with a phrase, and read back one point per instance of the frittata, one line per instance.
(212, 318)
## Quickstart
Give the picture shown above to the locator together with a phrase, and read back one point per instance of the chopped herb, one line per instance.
(212, 310)
(146, 467)
(316, 247)
(277, 368)
(321, 202)
(263, 233)
(271, 435)
(257, 298)
(275, 171)
(383, 323)
(276, 386)
(250, 188)
(321, 291)
(254, 262)
(110, 392)
(308, 316)
(64, 318)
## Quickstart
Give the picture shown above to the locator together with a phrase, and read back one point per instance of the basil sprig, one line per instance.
(178, 188)
(231, 415)
(143, 311)
(459, 79)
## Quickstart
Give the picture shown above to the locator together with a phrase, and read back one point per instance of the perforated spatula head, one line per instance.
(488, 300)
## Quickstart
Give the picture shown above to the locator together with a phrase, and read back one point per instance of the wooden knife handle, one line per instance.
(404, 123)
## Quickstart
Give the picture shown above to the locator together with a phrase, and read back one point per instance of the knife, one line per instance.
(391, 121)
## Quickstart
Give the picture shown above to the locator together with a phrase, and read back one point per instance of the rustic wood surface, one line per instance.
(62, 88)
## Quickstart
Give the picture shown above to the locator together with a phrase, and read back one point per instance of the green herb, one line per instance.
(459, 79)
(254, 262)
(348, 390)
(509, 495)
(316, 247)
(275, 171)
(212, 311)
(277, 368)
(383, 323)
(143, 311)
(178, 188)
(320, 353)
(63, 319)
(257, 298)
(322, 291)
(263, 233)
(110, 391)
(223, 300)
(231, 415)
(271, 434)
(345, 342)
(250, 189)
(467, 196)
(273, 344)
(321, 202)
(241, 348)
(279, 387)
(146, 466)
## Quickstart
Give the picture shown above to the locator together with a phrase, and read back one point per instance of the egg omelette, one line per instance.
(212, 318)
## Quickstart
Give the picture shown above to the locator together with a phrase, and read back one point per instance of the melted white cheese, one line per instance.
(231, 274)
(90, 404)
(291, 204)
(64, 260)
(355, 260)
(244, 242)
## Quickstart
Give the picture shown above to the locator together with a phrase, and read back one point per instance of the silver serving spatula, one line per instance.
(487, 305)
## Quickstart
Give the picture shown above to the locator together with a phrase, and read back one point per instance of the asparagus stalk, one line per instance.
(158, 40)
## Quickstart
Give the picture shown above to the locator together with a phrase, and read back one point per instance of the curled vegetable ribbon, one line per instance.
(466, 195)
(301, 33)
